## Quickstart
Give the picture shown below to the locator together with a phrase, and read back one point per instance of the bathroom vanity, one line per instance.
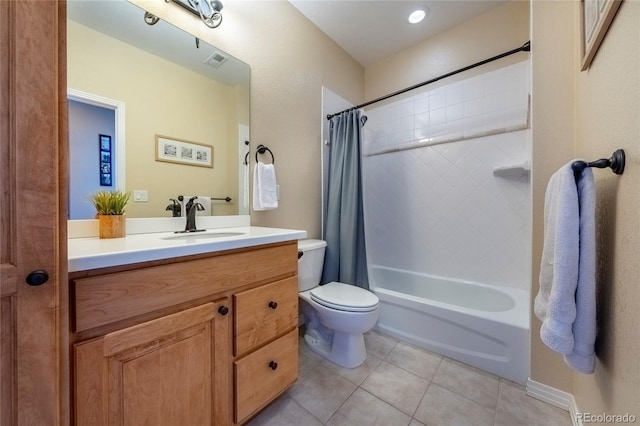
(189, 331)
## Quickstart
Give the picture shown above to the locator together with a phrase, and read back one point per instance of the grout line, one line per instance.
(343, 402)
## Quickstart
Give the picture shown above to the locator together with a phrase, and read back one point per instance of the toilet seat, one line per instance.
(344, 297)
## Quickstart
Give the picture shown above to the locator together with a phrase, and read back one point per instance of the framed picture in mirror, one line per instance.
(595, 20)
(105, 160)
(173, 150)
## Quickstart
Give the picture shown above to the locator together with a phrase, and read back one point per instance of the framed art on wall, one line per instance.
(596, 17)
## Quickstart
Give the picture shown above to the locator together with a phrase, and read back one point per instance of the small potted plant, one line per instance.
(110, 208)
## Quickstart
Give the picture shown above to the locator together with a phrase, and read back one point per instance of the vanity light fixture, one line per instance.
(418, 15)
(207, 10)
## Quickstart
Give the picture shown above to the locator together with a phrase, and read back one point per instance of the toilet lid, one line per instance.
(344, 297)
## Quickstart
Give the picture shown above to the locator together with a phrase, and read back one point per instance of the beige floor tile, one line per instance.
(442, 407)
(515, 407)
(379, 344)
(362, 408)
(418, 361)
(306, 364)
(284, 412)
(470, 382)
(396, 386)
(321, 392)
(414, 422)
(354, 375)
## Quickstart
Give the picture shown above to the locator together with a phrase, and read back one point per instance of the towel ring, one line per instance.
(246, 156)
(261, 149)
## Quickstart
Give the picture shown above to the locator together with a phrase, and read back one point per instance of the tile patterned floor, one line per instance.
(400, 384)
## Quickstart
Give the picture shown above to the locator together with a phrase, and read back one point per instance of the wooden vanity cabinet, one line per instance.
(201, 340)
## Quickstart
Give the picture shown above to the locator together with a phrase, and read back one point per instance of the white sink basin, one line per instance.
(193, 236)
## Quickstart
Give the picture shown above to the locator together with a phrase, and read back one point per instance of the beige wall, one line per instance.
(590, 114)
(97, 64)
(608, 118)
(553, 65)
(290, 61)
(498, 30)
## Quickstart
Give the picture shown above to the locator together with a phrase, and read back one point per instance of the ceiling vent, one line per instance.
(216, 59)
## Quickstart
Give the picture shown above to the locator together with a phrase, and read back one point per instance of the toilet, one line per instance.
(336, 314)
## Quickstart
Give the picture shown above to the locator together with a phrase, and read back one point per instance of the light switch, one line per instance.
(140, 195)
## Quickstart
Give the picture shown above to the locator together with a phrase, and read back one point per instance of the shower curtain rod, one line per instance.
(524, 48)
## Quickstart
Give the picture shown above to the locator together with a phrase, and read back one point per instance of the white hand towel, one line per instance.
(245, 187)
(206, 203)
(583, 357)
(567, 272)
(265, 196)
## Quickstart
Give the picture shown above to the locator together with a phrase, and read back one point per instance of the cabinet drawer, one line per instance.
(111, 297)
(259, 380)
(264, 312)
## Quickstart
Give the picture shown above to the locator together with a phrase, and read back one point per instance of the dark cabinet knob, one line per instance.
(223, 310)
(300, 254)
(273, 304)
(273, 365)
(37, 278)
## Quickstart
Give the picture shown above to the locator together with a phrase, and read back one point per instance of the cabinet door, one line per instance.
(169, 371)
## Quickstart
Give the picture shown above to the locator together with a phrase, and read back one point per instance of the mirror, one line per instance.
(175, 108)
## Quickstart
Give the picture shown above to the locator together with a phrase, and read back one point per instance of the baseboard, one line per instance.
(555, 397)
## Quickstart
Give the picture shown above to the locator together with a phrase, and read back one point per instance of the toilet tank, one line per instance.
(310, 263)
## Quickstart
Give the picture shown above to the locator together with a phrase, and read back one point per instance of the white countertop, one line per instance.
(93, 252)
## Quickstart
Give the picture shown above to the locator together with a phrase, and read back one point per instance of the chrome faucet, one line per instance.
(190, 211)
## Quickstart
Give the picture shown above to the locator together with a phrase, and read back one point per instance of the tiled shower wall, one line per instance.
(432, 202)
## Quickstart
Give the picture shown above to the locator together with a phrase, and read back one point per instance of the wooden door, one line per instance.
(170, 371)
(33, 360)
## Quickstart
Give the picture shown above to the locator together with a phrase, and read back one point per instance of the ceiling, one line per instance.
(373, 30)
(125, 21)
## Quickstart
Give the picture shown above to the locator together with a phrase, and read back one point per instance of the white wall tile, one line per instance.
(439, 209)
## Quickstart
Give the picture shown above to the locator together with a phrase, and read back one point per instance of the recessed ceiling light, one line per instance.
(417, 16)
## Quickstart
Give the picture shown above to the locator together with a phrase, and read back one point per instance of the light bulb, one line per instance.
(417, 16)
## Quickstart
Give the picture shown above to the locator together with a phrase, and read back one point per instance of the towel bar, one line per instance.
(616, 163)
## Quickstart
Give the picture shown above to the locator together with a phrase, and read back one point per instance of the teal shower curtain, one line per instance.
(345, 259)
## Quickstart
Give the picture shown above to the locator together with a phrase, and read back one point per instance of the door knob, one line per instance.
(37, 277)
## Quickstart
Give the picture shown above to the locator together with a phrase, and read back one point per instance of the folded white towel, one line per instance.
(566, 300)
(583, 357)
(245, 187)
(265, 194)
(205, 202)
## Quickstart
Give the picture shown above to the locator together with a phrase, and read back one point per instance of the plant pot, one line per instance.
(112, 226)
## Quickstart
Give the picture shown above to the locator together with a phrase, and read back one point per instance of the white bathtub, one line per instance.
(477, 324)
